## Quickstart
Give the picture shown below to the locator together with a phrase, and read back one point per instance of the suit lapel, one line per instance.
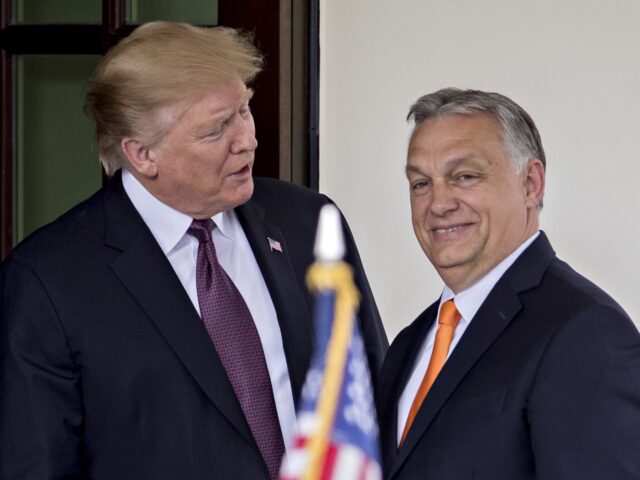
(166, 303)
(400, 367)
(493, 317)
(289, 302)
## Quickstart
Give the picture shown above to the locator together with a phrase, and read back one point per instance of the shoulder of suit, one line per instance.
(71, 231)
(271, 189)
(575, 291)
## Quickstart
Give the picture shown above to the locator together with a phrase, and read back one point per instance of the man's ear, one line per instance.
(140, 157)
(534, 183)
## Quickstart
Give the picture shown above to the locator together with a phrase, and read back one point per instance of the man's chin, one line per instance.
(243, 193)
(450, 263)
(449, 257)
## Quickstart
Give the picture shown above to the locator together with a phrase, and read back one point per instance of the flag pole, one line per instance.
(329, 272)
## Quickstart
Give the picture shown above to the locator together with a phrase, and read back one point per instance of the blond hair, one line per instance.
(158, 66)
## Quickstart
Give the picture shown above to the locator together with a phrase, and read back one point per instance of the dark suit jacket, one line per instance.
(544, 384)
(107, 370)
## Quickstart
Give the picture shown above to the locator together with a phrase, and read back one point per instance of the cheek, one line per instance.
(418, 219)
(508, 204)
(416, 213)
(418, 204)
(420, 208)
(211, 160)
(482, 201)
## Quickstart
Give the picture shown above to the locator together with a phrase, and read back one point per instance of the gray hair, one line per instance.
(519, 134)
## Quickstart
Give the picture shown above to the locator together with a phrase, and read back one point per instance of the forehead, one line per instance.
(212, 101)
(456, 129)
(455, 137)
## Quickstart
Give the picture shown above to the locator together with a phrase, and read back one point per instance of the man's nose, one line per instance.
(244, 136)
(443, 199)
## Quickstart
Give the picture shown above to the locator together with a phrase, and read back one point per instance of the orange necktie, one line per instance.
(449, 318)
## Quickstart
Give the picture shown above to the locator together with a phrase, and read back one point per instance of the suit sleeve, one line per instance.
(40, 404)
(584, 410)
(375, 338)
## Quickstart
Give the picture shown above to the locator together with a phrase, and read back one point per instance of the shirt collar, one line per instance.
(168, 225)
(469, 301)
(228, 224)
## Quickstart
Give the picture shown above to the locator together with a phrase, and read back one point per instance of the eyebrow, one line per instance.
(219, 117)
(246, 96)
(413, 169)
(450, 164)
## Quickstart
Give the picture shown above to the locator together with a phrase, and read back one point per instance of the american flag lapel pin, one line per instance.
(274, 245)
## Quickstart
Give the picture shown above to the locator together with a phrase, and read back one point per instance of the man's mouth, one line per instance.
(448, 229)
(450, 232)
(242, 171)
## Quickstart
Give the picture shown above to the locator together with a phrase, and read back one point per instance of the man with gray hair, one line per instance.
(523, 368)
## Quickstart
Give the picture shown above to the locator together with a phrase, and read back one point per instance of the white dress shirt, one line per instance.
(169, 227)
(468, 302)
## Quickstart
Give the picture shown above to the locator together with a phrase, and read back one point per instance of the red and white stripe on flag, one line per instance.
(341, 461)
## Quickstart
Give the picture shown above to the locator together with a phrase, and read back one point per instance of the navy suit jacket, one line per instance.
(544, 384)
(106, 369)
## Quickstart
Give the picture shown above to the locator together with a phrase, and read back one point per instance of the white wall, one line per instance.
(574, 65)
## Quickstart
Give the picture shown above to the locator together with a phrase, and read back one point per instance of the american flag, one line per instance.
(274, 245)
(337, 428)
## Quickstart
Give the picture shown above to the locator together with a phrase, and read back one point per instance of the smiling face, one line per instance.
(202, 165)
(469, 208)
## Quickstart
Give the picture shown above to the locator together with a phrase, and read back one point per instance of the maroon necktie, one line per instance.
(230, 326)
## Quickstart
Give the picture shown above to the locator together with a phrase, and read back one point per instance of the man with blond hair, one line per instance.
(162, 328)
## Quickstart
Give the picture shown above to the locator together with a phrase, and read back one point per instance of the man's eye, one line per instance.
(466, 177)
(419, 185)
(217, 132)
(245, 110)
